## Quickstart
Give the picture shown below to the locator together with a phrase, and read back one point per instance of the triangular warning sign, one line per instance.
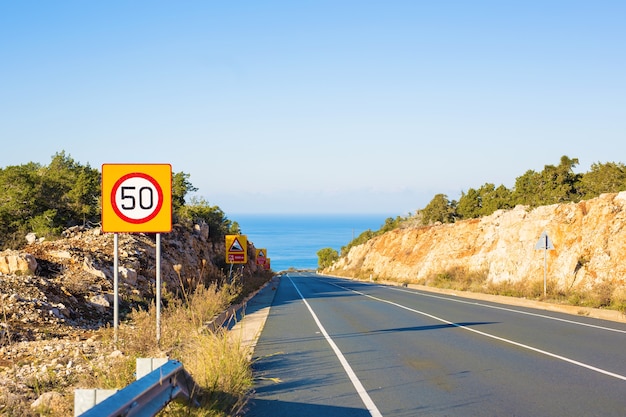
(236, 246)
(544, 242)
(261, 253)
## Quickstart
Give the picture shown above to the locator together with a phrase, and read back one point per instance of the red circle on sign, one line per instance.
(154, 184)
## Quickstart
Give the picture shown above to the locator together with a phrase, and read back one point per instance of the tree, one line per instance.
(326, 257)
(360, 239)
(493, 198)
(470, 204)
(555, 184)
(234, 229)
(561, 184)
(390, 224)
(181, 186)
(19, 200)
(440, 209)
(71, 190)
(46, 199)
(603, 178)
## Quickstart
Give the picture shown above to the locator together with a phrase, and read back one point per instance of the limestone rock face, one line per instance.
(589, 241)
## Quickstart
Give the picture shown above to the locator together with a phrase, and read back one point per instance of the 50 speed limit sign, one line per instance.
(136, 198)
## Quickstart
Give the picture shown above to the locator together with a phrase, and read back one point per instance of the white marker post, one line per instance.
(546, 244)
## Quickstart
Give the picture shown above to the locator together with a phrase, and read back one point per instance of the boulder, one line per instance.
(47, 401)
(202, 230)
(129, 275)
(31, 238)
(12, 262)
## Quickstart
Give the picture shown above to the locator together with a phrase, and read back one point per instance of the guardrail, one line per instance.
(148, 395)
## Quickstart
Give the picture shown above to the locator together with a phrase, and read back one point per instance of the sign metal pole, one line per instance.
(545, 243)
(115, 285)
(545, 267)
(158, 287)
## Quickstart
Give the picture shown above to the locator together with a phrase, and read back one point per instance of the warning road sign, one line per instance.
(544, 242)
(236, 249)
(136, 198)
(261, 256)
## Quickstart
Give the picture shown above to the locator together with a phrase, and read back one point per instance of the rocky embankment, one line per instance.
(55, 295)
(589, 241)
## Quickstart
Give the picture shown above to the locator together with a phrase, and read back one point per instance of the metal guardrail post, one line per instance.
(148, 395)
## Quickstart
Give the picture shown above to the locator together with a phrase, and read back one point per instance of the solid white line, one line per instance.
(512, 342)
(367, 401)
(456, 300)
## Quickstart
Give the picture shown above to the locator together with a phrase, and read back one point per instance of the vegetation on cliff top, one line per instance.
(46, 199)
(553, 185)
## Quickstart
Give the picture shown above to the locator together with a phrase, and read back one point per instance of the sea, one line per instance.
(292, 240)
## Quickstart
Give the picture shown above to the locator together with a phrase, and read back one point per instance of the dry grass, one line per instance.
(609, 295)
(457, 278)
(217, 362)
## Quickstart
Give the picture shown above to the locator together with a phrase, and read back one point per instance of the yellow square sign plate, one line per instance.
(136, 198)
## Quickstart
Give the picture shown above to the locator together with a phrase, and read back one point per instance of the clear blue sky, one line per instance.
(316, 106)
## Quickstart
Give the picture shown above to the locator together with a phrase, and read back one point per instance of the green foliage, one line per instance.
(326, 257)
(470, 204)
(180, 188)
(603, 178)
(359, 240)
(482, 202)
(46, 199)
(553, 185)
(199, 209)
(440, 209)
(234, 229)
(390, 224)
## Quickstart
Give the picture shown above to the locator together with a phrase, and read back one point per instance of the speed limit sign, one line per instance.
(136, 198)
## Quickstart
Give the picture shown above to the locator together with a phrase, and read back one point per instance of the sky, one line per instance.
(325, 106)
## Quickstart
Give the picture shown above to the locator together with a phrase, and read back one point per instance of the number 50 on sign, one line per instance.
(136, 198)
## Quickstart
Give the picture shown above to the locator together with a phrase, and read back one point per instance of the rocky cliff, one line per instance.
(589, 241)
(72, 278)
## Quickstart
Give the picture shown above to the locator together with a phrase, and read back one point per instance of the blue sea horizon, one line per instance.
(293, 240)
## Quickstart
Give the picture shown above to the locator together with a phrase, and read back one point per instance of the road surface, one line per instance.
(334, 347)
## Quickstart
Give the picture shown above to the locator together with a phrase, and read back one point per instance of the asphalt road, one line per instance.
(333, 347)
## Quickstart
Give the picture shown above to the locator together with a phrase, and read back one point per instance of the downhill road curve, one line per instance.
(335, 347)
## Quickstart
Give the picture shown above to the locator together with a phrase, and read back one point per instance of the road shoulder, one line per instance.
(253, 314)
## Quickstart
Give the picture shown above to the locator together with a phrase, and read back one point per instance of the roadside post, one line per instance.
(544, 243)
(136, 198)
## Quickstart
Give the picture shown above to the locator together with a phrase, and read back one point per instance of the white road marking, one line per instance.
(367, 401)
(512, 342)
(456, 300)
